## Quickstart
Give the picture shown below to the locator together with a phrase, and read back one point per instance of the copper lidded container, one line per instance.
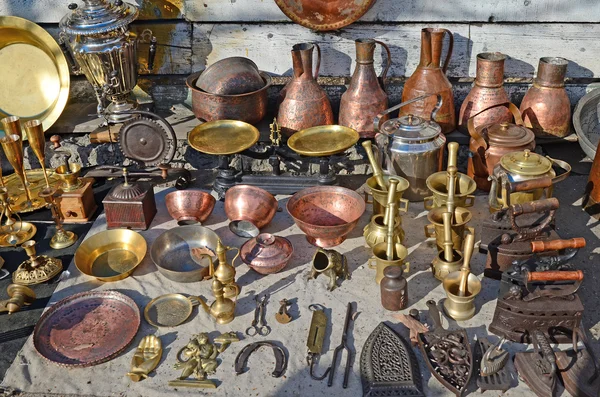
(546, 107)
(266, 253)
(487, 92)
(490, 142)
(430, 78)
(365, 96)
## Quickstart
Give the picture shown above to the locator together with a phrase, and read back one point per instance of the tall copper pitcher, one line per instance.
(303, 103)
(487, 92)
(365, 97)
(430, 78)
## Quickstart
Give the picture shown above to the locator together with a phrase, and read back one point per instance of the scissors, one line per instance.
(259, 324)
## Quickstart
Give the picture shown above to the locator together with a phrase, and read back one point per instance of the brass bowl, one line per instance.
(111, 255)
(34, 73)
(223, 137)
(326, 214)
(323, 140)
(188, 207)
(178, 253)
(251, 204)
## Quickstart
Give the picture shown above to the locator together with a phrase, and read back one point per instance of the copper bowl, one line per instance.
(249, 208)
(326, 214)
(266, 253)
(188, 207)
(231, 76)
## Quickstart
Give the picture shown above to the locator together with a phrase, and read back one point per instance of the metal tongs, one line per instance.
(343, 346)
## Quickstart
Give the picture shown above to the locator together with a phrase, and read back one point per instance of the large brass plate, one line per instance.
(323, 140)
(223, 137)
(16, 193)
(34, 74)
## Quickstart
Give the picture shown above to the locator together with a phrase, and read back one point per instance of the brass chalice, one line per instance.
(35, 134)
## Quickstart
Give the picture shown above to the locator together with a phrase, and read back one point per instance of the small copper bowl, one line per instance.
(189, 207)
(326, 214)
(249, 208)
(266, 253)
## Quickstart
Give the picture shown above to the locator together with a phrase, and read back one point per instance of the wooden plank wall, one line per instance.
(194, 33)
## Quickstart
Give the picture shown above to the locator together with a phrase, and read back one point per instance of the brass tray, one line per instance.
(324, 15)
(169, 310)
(323, 140)
(16, 193)
(34, 74)
(87, 329)
(223, 137)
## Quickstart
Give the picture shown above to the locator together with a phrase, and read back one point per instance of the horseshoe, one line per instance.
(244, 354)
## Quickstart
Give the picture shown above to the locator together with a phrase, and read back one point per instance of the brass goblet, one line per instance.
(13, 148)
(37, 142)
(62, 238)
(12, 125)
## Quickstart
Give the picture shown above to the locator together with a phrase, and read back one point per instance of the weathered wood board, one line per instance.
(49, 11)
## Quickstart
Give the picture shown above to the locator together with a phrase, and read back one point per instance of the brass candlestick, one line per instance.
(37, 143)
(19, 296)
(37, 269)
(63, 238)
(13, 148)
(12, 232)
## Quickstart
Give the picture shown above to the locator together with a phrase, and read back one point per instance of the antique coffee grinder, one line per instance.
(97, 40)
(77, 196)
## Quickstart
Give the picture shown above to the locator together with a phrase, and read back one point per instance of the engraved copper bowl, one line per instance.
(267, 253)
(188, 207)
(326, 214)
(253, 206)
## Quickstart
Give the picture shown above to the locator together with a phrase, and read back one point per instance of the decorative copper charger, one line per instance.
(324, 15)
(87, 329)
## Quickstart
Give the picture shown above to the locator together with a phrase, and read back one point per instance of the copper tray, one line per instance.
(86, 329)
(223, 137)
(324, 14)
(323, 140)
(16, 193)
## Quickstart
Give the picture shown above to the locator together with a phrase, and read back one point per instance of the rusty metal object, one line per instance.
(350, 315)
(394, 289)
(546, 107)
(326, 214)
(87, 329)
(430, 78)
(303, 102)
(250, 107)
(146, 141)
(413, 324)
(280, 358)
(538, 368)
(490, 142)
(447, 354)
(188, 207)
(231, 76)
(487, 92)
(365, 96)
(249, 204)
(329, 15)
(578, 368)
(266, 253)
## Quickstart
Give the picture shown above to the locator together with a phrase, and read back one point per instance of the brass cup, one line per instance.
(69, 175)
(376, 232)
(460, 308)
(12, 126)
(462, 216)
(440, 268)
(380, 196)
(381, 261)
(437, 183)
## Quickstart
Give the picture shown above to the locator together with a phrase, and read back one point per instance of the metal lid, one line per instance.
(525, 163)
(98, 16)
(411, 128)
(508, 135)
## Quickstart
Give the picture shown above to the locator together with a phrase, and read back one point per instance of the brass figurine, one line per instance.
(222, 309)
(38, 268)
(37, 143)
(19, 295)
(332, 264)
(225, 272)
(146, 358)
(12, 232)
(62, 238)
(199, 359)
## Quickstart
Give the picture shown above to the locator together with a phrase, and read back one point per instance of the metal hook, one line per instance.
(311, 360)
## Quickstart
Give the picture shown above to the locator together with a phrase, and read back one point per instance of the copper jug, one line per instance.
(365, 97)
(546, 107)
(303, 103)
(430, 78)
(486, 92)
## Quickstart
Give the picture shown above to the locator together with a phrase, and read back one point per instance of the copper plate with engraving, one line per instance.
(324, 15)
(323, 140)
(87, 329)
(223, 137)
(16, 193)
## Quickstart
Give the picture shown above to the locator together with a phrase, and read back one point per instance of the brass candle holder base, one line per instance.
(63, 239)
(36, 269)
(19, 296)
(16, 234)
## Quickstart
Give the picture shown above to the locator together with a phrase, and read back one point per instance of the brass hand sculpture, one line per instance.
(146, 358)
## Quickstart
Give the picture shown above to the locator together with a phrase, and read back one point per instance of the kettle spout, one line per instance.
(204, 304)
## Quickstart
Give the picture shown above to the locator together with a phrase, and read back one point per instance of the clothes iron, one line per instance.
(388, 366)
(538, 368)
(578, 368)
(447, 354)
(538, 300)
(494, 375)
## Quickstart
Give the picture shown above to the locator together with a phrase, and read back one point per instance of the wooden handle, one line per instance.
(55, 139)
(530, 184)
(535, 206)
(377, 173)
(556, 275)
(555, 245)
(452, 154)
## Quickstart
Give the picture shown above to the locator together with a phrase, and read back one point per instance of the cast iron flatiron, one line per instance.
(388, 366)
(447, 354)
(538, 368)
(494, 375)
(578, 368)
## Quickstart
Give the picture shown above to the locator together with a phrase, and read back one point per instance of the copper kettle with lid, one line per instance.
(492, 141)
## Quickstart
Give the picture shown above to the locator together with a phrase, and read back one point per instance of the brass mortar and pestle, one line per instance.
(462, 286)
(389, 252)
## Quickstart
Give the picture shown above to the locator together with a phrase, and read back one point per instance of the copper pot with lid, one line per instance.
(266, 253)
(492, 141)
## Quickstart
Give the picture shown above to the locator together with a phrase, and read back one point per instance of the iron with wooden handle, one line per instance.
(556, 245)
(555, 275)
(377, 172)
(509, 187)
